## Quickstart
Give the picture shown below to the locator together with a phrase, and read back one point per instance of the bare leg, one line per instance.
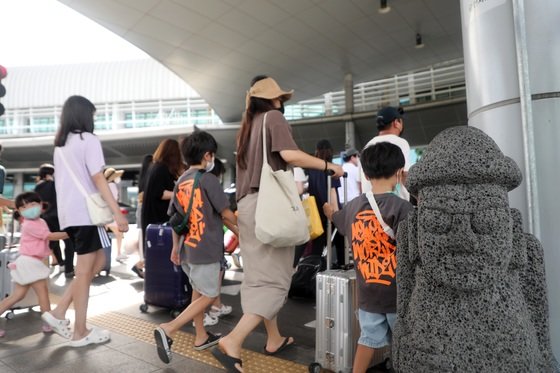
(140, 263)
(63, 304)
(195, 311)
(231, 343)
(218, 300)
(17, 295)
(119, 237)
(80, 294)
(274, 339)
(41, 289)
(362, 359)
(87, 265)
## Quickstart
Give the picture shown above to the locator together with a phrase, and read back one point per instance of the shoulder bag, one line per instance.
(280, 219)
(98, 209)
(180, 222)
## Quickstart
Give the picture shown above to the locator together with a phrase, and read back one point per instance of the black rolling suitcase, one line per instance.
(165, 284)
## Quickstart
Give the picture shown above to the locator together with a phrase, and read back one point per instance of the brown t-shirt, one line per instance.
(278, 137)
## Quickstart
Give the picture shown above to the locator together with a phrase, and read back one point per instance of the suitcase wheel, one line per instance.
(315, 368)
(143, 308)
(9, 315)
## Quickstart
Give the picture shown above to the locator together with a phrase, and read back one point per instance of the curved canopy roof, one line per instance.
(217, 46)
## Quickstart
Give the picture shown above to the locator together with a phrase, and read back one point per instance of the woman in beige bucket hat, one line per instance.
(267, 270)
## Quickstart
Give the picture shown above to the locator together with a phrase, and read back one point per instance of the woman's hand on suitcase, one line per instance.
(175, 256)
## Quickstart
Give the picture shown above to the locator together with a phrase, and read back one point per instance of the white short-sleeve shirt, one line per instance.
(401, 143)
(353, 181)
(84, 155)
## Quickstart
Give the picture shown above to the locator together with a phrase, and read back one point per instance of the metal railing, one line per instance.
(111, 116)
(440, 82)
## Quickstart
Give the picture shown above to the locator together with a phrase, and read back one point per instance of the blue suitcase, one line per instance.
(165, 284)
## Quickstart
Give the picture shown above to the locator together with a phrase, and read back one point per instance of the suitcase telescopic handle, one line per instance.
(330, 174)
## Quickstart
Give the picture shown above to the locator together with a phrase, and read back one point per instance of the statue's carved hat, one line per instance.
(463, 155)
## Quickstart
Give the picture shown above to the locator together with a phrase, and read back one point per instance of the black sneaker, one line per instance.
(212, 340)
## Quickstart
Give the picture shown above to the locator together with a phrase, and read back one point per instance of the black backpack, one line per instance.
(305, 277)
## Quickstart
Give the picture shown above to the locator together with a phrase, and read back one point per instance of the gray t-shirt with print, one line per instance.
(375, 259)
(204, 244)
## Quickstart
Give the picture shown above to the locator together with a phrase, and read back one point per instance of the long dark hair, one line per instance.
(256, 105)
(324, 150)
(77, 117)
(168, 153)
(146, 162)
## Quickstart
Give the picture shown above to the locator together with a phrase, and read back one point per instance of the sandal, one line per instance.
(139, 272)
(227, 361)
(95, 336)
(283, 346)
(212, 340)
(163, 343)
(60, 327)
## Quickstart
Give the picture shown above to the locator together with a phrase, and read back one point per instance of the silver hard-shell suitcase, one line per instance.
(337, 329)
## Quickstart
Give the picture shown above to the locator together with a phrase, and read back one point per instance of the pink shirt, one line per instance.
(34, 238)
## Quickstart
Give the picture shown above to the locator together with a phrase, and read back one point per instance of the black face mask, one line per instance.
(281, 108)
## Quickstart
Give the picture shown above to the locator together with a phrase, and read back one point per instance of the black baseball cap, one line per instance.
(388, 114)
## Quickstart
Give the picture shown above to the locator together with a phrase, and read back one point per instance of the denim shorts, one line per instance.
(204, 278)
(374, 328)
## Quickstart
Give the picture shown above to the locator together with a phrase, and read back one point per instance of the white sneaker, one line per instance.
(220, 311)
(208, 320)
(121, 258)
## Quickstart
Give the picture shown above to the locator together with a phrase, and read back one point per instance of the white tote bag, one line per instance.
(280, 219)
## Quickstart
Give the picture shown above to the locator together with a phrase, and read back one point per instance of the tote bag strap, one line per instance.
(265, 153)
(375, 208)
(72, 174)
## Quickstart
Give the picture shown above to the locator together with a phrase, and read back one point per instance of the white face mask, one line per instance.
(398, 186)
(117, 180)
(209, 166)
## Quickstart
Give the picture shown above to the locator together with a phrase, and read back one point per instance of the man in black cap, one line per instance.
(351, 166)
(391, 126)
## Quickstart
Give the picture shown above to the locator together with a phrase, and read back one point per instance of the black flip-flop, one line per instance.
(283, 346)
(212, 340)
(139, 272)
(227, 361)
(163, 343)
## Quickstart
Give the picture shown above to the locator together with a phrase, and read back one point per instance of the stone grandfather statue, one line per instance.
(471, 285)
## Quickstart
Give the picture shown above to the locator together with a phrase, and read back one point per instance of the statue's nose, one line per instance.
(462, 235)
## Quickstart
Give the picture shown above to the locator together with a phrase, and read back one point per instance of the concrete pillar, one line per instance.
(349, 127)
(512, 54)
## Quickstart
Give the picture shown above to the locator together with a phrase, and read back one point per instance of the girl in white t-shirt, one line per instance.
(79, 163)
(29, 271)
